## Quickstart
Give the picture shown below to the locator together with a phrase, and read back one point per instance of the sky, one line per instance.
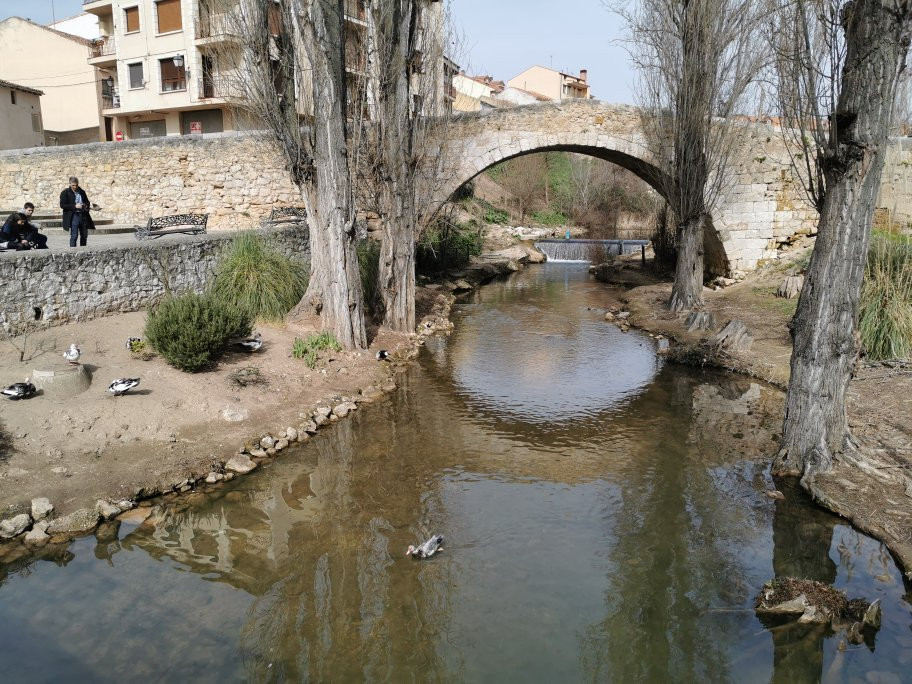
(500, 38)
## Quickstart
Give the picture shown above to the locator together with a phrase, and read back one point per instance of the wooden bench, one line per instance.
(167, 225)
(281, 215)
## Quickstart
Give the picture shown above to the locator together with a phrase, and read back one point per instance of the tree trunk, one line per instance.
(824, 349)
(396, 25)
(334, 291)
(687, 291)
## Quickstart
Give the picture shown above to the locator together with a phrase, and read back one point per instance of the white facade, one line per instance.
(83, 25)
(158, 78)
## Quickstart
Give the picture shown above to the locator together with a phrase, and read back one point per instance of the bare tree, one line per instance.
(839, 65)
(696, 59)
(404, 115)
(525, 177)
(287, 73)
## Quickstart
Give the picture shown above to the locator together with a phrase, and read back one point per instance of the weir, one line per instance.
(587, 250)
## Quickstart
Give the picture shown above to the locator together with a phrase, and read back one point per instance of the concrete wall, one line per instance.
(56, 64)
(16, 127)
(91, 282)
(235, 179)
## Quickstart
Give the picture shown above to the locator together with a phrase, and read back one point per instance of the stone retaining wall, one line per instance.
(234, 178)
(82, 284)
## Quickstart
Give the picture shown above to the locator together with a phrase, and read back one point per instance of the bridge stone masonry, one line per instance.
(761, 206)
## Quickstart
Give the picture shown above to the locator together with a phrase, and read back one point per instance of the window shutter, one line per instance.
(169, 15)
(132, 16)
(136, 75)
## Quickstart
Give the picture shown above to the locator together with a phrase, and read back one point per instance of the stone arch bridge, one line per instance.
(761, 207)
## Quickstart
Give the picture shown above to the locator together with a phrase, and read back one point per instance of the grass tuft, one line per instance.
(885, 318)
(257, 278)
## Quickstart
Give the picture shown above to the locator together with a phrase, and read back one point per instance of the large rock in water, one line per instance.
(240, 464)
(83, 520)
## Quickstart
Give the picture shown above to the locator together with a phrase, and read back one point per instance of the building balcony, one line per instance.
(219, 88)
(110, 102)
(102, 51)
(98, 7)
(216, 28)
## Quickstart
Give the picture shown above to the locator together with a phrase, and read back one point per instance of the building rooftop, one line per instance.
(16, 86)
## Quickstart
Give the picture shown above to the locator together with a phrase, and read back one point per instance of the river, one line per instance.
(605, 519)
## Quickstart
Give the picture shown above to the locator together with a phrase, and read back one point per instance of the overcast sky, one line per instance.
(502, 37)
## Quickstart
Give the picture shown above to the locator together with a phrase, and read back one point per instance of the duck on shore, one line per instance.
(19, 390)
(248, 344)
(72, 354)
(122, 386)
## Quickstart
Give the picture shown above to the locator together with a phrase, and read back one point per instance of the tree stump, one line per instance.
(700, 320)
(62, 380)
(733, 337)
(790, 287)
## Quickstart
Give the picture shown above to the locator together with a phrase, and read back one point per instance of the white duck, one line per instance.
(122, 385)
(19, 390)
(249, 344)
(72, 354)
(427, 549)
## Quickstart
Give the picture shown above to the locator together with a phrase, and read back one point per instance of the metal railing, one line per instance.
(103, 46)
(216, 25)
(218, 86)
(110, 100)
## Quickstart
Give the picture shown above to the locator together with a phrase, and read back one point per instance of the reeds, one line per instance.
(885, 319)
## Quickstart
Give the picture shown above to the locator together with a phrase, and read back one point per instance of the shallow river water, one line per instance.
(604, 515)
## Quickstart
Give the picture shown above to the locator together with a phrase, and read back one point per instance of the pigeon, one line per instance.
(133, 342)
(249, 344)
(426, 550)
(122, 385)
(19, 390)
(383, 355)
(72, 354)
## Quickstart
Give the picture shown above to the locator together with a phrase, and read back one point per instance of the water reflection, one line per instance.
(624, 541)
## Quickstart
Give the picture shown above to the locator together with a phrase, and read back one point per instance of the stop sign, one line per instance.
(118, 136)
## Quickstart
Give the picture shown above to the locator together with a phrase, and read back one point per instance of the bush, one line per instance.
(191, 331)
(550, 218)
(369, 268)
(496, 216)
(885, 318)
(253, 276)
(446, 245)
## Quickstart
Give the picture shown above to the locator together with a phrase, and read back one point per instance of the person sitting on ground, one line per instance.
(39, 238)
(16, 232)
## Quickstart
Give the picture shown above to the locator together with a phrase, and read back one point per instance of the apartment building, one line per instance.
(54, 62)
(20, 117)
(163, 68)
(551, 84)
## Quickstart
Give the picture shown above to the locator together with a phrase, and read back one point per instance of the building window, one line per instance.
(36, 123)
(131, 15)
(136, 75)
(13, 96)
(169, 15)
(172, 77)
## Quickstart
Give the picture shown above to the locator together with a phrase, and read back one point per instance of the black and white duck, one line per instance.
(248, 344)
(19, 390)
(72, 354)
(122, 385)
(134, 343)
(427, 549)
(383, 355)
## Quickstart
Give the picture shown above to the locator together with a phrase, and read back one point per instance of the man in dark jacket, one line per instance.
(76, 218)
(32, 232)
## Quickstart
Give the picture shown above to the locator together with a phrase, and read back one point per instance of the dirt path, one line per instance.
(878, 501)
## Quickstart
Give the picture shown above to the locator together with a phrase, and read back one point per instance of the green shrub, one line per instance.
(885, 317)
(496, 216)
(369, 268)
(191, 331)
(307, 349)
(253, 276)
(445, 245)
(550, 218)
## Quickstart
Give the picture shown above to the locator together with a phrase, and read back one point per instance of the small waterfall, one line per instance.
(583, 250)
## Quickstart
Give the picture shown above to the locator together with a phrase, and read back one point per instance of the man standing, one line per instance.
(76, 217)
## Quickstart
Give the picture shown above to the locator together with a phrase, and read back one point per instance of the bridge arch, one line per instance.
(761, 209)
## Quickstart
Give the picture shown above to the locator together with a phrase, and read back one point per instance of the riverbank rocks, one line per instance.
(267, 442)
(343, 409)
(212, 478)
(369, 394)
(240, 464)
(41, 508)
(256, 452)
(291, 434)
(235, 414)
(38, 536)
(109, 509)
(281, 444)
(82, 520)
(14, 526)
